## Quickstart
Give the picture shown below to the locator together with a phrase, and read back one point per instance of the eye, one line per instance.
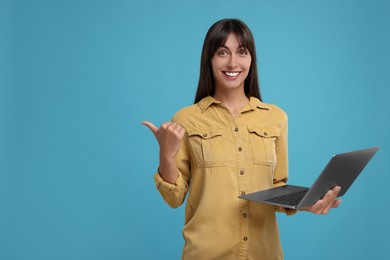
(244, 52)
(222, 52)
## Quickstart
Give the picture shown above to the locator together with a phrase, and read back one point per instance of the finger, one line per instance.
(331, 199)
(336, 190)
(328, 201)
(336, 203)
(151, 126)
(316, 208)
(171, 126)
(166, 125)
(319, 206)
(176, 127)
(182, 131)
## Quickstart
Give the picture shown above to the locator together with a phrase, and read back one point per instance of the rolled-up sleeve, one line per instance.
(288, 212)
(173, 194)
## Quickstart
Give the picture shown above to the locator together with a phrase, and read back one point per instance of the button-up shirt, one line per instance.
(222, 157)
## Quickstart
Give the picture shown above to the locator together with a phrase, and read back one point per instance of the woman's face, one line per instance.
(230, 65)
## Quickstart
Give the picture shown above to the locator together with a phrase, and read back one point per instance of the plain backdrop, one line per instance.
(78, 77)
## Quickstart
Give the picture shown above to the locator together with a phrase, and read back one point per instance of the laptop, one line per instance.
(342, 170)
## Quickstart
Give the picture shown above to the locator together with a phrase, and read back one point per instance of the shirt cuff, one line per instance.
(288, 212)
(161, 184)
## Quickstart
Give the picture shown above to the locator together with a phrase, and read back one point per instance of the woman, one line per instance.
(227, 144)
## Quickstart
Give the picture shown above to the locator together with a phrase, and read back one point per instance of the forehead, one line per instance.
(232, 41)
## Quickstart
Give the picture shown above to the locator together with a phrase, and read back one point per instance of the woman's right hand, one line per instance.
(169, 136)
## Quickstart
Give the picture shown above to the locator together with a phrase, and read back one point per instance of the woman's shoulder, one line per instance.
(194, 114)
(276, 109)
(198, 107)
(185, 113)
(271, 108)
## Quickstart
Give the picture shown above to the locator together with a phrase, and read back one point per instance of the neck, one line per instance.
(233, 100)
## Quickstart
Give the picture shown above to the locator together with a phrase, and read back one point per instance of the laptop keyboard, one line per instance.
(292, 199)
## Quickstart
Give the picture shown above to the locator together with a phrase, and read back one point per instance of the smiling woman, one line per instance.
(230, 64)
(215, 45)
(77, 77)
(210, 153)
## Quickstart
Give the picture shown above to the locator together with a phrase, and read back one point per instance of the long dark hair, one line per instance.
(215, 38)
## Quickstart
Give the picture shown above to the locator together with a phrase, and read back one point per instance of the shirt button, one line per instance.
(245, 238)
(241, 172)
(243, 193)
(265, 133)
(244, 215)
(204, 135)
(240, 149)
(236, 129)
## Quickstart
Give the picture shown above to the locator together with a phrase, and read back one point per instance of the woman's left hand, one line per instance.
(326, 203)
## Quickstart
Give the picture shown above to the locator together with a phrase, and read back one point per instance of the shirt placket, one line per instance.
(237, 132)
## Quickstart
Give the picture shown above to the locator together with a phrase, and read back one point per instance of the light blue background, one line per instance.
(77, 77)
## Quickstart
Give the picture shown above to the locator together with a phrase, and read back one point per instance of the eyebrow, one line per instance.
(239, 47)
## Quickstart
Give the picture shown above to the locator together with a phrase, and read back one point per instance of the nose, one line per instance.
(232, 62)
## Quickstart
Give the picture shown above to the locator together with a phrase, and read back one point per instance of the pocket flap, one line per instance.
(266, 132)
(205, 133)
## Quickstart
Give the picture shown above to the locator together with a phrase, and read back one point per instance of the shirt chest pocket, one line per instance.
(208, 146)
(263, 142)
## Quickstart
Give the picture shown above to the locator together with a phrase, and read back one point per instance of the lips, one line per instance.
(231, 74)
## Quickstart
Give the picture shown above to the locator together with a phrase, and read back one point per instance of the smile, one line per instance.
(231, 74)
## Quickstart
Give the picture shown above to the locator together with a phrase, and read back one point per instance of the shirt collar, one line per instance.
(256, 103)
(252, 104)
(206, 102)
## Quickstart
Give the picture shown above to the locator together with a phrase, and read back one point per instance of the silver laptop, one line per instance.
(342, 170)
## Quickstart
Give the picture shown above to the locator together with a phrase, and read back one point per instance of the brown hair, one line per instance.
(215, 38)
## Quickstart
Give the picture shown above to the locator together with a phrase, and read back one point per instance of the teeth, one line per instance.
(232, 74)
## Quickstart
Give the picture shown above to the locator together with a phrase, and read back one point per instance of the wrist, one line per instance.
(168, 159)
(167, 168)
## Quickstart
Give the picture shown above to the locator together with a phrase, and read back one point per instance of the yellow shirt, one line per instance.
(222, 157)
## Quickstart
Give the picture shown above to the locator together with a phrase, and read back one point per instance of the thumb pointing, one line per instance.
(152, 127)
